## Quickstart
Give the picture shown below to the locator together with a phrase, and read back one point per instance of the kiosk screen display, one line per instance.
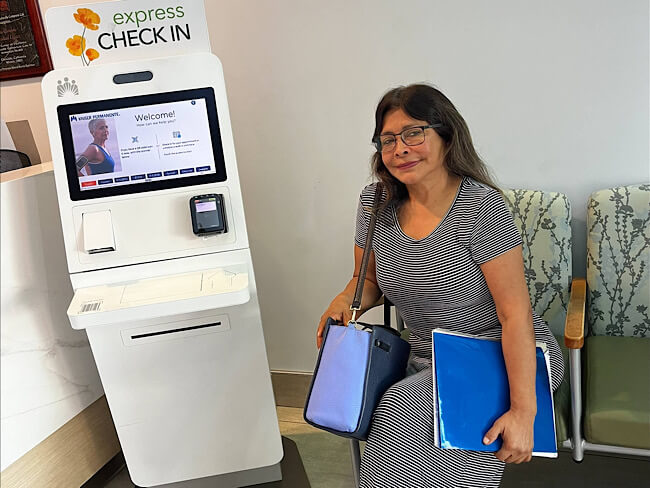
(139, 144)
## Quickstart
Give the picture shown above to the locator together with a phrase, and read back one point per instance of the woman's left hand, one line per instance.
(516, 430)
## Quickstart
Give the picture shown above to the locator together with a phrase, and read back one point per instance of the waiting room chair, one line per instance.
(10, 160)
(615, 318)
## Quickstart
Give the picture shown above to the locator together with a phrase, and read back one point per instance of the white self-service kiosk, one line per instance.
(158, 253)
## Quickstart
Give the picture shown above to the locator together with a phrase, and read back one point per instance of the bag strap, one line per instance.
(356, 303)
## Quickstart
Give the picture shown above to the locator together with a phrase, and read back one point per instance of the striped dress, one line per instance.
(437, 282)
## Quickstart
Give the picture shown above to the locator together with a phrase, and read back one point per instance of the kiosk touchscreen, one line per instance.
(158, 254)
(142, 143)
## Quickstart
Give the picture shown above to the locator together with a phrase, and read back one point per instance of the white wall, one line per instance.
(555, 93)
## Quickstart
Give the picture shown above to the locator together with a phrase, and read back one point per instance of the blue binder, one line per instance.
(470, 391)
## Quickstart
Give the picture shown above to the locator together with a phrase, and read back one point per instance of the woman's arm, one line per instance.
(505, 279)
(89, 156)
(339, 309)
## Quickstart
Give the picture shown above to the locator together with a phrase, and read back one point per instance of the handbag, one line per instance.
(356, 364)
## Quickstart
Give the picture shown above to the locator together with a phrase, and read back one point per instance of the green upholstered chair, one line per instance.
(544, 220)
(610, 322)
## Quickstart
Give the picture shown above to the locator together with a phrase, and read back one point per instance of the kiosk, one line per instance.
(158, 254)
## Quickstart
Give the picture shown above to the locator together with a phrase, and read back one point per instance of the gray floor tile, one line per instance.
(596, 471)
(324, 459)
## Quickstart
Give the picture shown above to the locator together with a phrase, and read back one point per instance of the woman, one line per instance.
(96, 157)
(446, 252)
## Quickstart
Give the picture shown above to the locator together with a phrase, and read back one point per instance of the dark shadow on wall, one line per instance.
(579, 246)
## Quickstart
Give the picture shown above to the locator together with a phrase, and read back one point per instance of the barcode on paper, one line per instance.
(91, 306)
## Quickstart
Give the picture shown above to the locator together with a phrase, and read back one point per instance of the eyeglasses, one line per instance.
(412, 136)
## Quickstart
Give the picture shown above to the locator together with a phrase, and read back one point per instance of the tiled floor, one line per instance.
(326, 461)
(326, 457)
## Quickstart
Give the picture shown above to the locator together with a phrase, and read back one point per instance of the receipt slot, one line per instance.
(166, 294)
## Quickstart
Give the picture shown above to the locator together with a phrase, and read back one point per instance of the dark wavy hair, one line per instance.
(424, 102)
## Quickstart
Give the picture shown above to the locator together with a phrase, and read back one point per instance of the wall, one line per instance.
(22, 99)
(555, 93)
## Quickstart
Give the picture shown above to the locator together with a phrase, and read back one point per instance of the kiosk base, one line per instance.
(192, 400)
(190, 394)
(241, 479)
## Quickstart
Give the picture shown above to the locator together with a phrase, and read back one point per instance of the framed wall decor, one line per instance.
(23, 45)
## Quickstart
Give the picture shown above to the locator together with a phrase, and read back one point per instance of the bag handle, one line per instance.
(356, 303)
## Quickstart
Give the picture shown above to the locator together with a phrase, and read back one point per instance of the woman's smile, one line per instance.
(408, 165)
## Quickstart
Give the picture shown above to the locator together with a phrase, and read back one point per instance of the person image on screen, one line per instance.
(96, 158)
(447, 253)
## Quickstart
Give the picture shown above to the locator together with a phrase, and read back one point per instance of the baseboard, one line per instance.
(290, 388)
(71, 455)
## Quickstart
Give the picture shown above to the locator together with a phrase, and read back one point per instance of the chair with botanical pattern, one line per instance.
(613, 313)
(544, 220)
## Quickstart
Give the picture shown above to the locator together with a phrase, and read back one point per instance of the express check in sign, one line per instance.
(110, 32)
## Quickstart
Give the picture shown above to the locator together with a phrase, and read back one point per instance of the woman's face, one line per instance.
(100, 132)
(412, 164)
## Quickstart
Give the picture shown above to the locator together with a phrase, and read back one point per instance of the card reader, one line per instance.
(208, 215)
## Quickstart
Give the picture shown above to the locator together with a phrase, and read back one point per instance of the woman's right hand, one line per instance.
(339, 309)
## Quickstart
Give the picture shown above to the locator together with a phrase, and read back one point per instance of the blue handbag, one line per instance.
(356, 364)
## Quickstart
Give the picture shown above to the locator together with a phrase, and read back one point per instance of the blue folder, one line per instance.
(470, 390)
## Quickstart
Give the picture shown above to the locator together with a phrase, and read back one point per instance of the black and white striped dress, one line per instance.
(437, 282)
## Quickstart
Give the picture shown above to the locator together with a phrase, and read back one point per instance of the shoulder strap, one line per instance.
(356, 303)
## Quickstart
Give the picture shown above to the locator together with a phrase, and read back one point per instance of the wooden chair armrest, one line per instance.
(574, 328)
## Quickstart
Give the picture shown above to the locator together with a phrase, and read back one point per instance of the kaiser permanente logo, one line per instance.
(132, 29)
(75, 118)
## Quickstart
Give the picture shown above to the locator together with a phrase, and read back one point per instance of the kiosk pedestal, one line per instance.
(172, 317)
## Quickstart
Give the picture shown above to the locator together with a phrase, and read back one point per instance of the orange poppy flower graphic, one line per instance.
(75, 45)
(87, 17)
(91, 54)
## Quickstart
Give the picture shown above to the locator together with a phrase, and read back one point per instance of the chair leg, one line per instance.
(576, 404)
(356, 460)
(400, 321)
(387, 306)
